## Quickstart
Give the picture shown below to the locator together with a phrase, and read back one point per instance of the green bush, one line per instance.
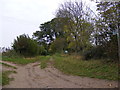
(42, 50)
(26, 46)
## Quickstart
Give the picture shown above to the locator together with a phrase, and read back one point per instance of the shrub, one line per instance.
(26, 46)
(95, 52)
(42, 50)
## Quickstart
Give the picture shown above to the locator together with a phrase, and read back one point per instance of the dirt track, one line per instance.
(31, 76)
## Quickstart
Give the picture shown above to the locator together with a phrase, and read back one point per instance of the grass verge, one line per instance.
(20, 60)
(5, 77)
(93, 68)
(75, 66)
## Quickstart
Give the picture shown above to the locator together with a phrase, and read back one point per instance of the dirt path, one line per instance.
(31, 76)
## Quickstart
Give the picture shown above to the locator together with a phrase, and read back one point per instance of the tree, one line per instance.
(59, 45)
(107, 26)
(26, 46)
(49, 31)
(77, 27)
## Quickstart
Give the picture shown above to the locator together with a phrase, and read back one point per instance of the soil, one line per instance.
(32, 76)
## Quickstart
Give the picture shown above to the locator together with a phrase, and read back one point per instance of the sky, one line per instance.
(19, 17)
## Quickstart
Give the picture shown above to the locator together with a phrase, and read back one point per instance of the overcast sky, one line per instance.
(24, 16)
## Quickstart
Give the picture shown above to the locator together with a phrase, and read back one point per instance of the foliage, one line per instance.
(72, 23)
(112, 48)
(58, 45)
(77, 27)
(25, 46)
(49, 31)
(107, 27)
(42, 50)
(96, 52)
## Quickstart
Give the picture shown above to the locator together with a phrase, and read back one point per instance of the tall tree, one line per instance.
(109, 14)
(49, 31)
(77, 26)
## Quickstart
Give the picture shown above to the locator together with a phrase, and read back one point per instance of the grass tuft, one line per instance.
(5, 77)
